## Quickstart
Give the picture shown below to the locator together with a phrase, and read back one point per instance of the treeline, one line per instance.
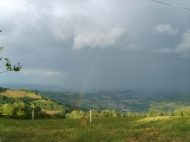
(177, 112)
(20, 110)
(3, 89)
(23, 111)
(77, 114)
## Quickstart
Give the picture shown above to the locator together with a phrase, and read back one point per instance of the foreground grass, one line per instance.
(161, 129)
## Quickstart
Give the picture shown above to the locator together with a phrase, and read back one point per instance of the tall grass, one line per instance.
(176, 129)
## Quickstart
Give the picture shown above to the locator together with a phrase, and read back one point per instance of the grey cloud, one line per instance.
(165, 50)
(134, 47)
(94, 39)
(43, 36)
(166, 29)
(183, 49)
(40, 72)
(65, 28)
(82, 31)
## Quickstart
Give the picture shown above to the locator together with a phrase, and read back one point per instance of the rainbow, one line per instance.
(86, 79)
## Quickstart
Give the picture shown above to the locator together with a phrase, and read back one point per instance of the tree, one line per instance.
(75, 114)
(160, 113)
(8, 109)
(105, 113)
(114, 113)
(122, 115)
(151, 113)
(94, 114)
(130, 114)
(170, 113)
(8, 65)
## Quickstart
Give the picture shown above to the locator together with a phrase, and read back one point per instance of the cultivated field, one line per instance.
(131, 129)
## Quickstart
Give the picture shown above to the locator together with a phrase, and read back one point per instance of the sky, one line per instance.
(96, 44)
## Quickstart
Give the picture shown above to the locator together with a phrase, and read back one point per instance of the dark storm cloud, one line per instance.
(97, 44)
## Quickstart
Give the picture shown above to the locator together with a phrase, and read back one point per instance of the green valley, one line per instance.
(124, 101)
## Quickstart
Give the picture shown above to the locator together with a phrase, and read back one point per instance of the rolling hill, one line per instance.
(22, 102)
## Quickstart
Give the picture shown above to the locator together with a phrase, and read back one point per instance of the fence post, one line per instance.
(90, 117)
(33, 116)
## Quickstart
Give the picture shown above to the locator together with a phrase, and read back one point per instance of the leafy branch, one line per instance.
(8, 65)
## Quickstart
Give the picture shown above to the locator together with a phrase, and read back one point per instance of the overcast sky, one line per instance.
(96, 44)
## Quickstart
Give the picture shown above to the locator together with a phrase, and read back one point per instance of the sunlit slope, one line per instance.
(20, 94)
(30, 98)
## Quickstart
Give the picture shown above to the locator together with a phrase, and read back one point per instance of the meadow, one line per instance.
(119, 129)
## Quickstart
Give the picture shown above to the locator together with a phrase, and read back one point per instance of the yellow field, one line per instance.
(19, 94)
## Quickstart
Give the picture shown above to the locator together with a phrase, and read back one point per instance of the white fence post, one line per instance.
(90, 116)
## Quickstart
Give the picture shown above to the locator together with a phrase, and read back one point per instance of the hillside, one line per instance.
(20, 103)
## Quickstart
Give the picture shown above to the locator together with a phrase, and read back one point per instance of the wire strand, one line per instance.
(171, 4)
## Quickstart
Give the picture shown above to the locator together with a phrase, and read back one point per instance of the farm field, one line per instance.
(120, 129)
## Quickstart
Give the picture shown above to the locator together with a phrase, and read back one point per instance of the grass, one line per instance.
(126, 129)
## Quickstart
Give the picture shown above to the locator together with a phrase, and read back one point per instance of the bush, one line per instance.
(151, 113)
